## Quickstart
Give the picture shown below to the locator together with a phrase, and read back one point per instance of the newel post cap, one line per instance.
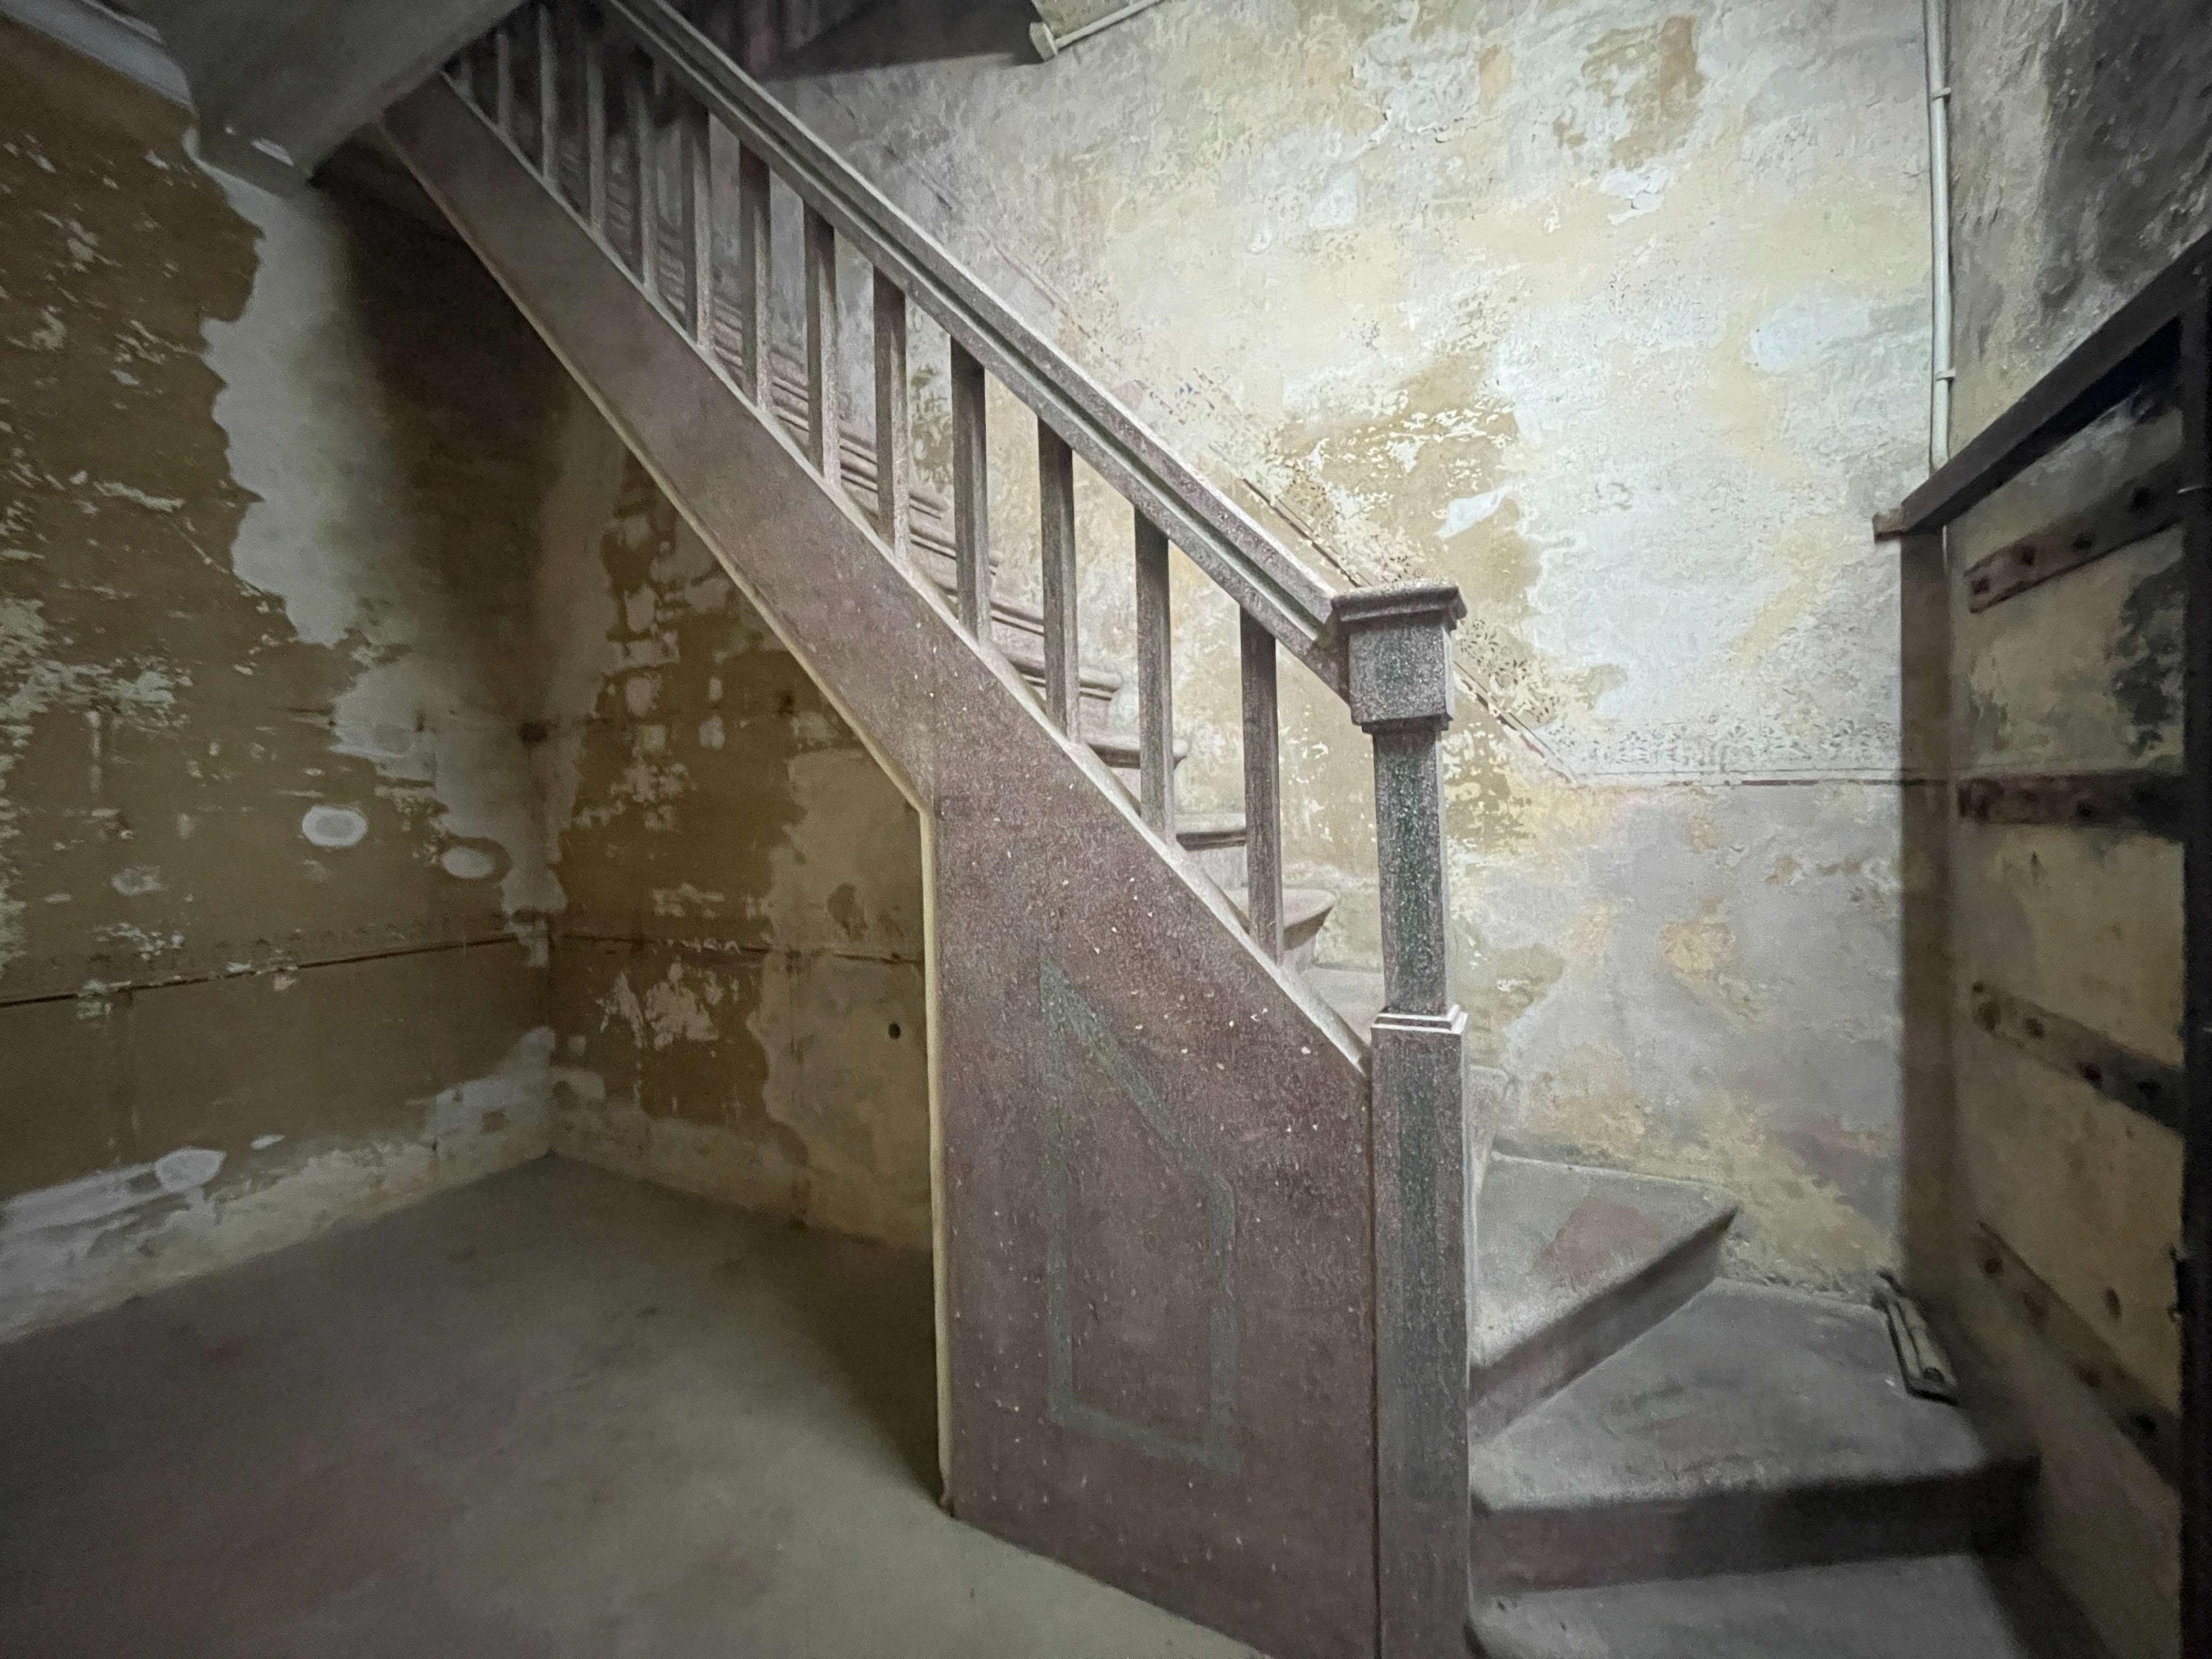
(1397, 643)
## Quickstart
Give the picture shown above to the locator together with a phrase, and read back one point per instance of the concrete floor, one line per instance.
(556, 1412)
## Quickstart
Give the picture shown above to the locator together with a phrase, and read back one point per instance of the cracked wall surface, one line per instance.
(2082, 164)
(1615, 314)
(291, 503)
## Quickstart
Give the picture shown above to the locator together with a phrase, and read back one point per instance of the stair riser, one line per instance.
(1094, 700)
(1223, 865)
(1498, 1393)
(1747, 1532)
(1132, 780)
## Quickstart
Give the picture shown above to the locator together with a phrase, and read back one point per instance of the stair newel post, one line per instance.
(1263, 786)
(699, 220)
(893, 421)
(1154, 681)
(823, 420)
(1397, 641)
(753, 276)
(1063, 691)
(971, 499)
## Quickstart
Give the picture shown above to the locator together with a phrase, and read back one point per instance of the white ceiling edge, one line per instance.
(122, 44)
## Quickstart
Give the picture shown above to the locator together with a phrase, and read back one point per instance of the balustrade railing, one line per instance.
(596, 98)
(610, 103)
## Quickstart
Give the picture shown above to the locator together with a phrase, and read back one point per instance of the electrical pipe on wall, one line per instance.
(1941, 374)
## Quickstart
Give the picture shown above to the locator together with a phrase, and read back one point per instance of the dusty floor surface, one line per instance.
(553, 1414)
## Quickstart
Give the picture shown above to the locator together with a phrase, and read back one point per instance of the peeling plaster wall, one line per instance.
(274, 476)
(345, 660)
(1612, 313)
(738, 977)
(2082, 158)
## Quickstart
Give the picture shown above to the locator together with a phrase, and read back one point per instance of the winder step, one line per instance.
(1755, 1429)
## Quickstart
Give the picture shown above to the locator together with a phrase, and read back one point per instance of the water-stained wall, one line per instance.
(738, 973)
(2082, 149)
(322, 594)
(269, 873)
(1614, 313)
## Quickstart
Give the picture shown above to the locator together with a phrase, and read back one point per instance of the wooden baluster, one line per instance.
(1263, 788)
(822, 424)
(699, 221)
(894, 427)
(971, 500)
(1063, 689)
(502, 78)
(644, 205)
(548, 99)
(753, 275)
(1154, 682)
(595, 128)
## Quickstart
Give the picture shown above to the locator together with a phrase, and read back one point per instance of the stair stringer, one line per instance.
(1255, 1515)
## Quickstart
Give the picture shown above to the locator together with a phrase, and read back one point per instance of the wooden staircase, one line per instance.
(1202, 1242)
(1221, 1320)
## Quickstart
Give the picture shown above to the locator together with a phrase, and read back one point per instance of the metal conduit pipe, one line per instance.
(1941, 373)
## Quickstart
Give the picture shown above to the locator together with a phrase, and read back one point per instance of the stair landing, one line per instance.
(1755, 1429)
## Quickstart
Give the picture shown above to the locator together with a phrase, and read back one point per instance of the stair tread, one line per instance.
(1943, 1606)
(1119, 746)
(1555, 1237)
(1746, 1389)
